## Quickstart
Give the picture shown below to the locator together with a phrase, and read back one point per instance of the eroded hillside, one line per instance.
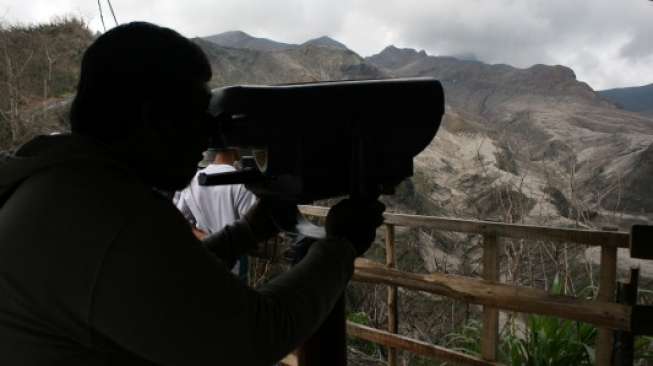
(535, 133)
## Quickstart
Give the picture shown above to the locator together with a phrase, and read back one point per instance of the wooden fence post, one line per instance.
(607, 286)
(624, 351)
(491, 272)
(393, 319)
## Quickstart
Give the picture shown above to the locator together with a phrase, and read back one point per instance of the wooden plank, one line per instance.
(417, 347)
(393, 313)
(607, 287)
(505, 297)
(491, 271)
(586, 237)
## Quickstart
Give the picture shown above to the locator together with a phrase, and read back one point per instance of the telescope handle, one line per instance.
(245, 176)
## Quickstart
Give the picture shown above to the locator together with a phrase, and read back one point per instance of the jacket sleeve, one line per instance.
(163, 296)
(232, 242)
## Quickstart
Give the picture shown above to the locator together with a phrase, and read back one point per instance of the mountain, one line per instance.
(533, 145)
(517, 144)
(242, 40)
(305, 63)
(393, 58)
(635, 99)
(239, 39)
(325, 41)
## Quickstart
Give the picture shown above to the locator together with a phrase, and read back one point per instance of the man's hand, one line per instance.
(356, 221)
(199, 233)
(269, 216)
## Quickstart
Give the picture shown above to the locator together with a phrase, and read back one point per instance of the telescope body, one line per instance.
(320, 140)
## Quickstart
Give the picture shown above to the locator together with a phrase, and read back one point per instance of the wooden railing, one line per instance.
(494, 296)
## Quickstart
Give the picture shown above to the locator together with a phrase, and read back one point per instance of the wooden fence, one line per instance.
(602, 312)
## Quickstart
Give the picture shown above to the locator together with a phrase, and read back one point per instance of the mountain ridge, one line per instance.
(240, 39)
(243, 40)
(538, 125)
(325, 41)
(636, 99)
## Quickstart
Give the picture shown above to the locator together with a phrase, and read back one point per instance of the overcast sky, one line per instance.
(608, 43)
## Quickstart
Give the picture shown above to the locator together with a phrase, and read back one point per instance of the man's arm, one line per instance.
(261, 222)
(231, 242)
(244, 199)
(184, 208)
(164, 297)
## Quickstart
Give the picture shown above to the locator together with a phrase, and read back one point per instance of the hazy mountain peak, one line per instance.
(636, 99)
(392, 49)
(392, 57)
(240, 39)
(557, 72)
(326, 41)
(229, 38)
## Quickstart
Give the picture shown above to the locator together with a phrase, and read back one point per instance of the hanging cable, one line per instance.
(112, 12)
(99, 5)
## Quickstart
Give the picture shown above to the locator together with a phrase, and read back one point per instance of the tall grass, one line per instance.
(544, 341)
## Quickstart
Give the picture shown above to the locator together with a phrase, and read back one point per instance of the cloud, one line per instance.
(605, 41)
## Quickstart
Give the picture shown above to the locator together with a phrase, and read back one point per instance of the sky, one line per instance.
(608, 43)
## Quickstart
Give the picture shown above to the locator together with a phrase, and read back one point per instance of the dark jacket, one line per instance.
(96, 268)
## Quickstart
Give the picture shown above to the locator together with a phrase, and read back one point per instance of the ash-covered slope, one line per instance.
(325, 41)
(240, 39)
(530, 143)
(305, 63)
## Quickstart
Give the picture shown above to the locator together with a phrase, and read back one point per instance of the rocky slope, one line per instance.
(312, 61)
(240, 39)
(536, 136)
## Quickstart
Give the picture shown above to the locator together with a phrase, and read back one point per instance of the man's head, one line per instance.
(226, 156)
(142, 91)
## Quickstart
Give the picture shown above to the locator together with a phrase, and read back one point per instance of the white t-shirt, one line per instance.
(214, 207)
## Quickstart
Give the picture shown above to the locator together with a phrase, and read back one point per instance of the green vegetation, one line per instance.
(364, 346)
(643, 351)
(545, 341)
(552, 342)
(468, 339)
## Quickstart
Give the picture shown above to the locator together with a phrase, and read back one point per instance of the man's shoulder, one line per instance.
(217, 168)
(92, 189)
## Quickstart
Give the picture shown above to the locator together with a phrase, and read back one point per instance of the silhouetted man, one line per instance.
(98, 268)
(214, 207)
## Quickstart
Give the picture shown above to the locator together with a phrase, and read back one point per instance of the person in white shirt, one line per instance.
(210, 208)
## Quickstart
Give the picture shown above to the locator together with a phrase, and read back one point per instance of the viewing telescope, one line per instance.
(322, 140)
(315, 141)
